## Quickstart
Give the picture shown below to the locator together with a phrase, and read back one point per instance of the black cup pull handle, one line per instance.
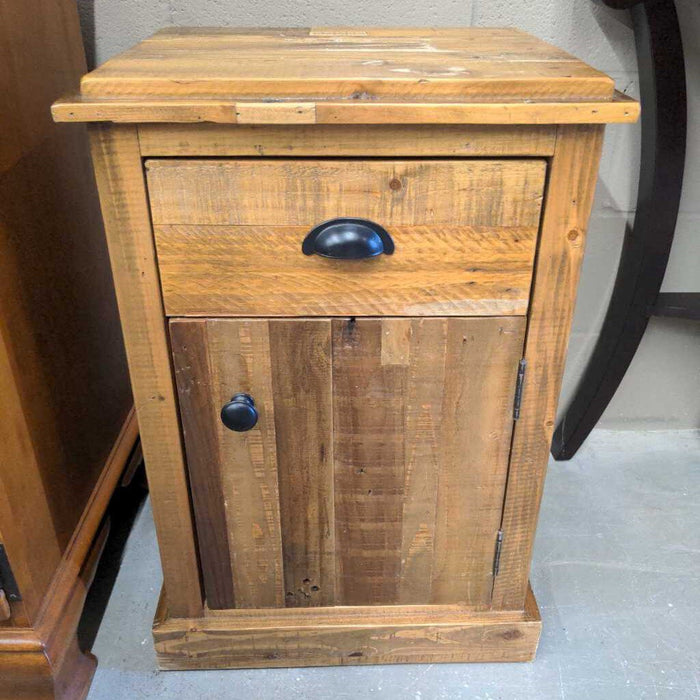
(239, 413)
(348, 239)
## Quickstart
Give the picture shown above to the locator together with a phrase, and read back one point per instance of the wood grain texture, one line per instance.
(368, 450)
(308, 192)
(240, 360)
(30, 674)
(64, 387)
(620, 109)
(474, 63)
(568, 204)
(343, 636)
(459, 251)
(21, 492)
(390, 488)
(67, 419)
(144, 110)
(476, 427)
(276, 113)
(419, 476)
(260, 271)
(237, 487)
(422, 423)
(465, 76)
(42, 57)
(195, 385)
(286, 367)
(302, 385)
(125, 211)
(339, 140)
(44, 661)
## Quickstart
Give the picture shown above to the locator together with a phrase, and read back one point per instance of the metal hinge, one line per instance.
(519, 389)
(497, 553)
(7, 578)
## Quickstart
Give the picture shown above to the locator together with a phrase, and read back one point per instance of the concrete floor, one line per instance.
(616, 570)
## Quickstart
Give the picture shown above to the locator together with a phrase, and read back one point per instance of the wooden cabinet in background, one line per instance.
(67, 425)
(330, 292)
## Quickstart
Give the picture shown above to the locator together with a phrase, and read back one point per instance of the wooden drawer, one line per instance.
(229, 233)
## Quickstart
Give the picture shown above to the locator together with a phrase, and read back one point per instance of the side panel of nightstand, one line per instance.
(123, 197)
(567, 205)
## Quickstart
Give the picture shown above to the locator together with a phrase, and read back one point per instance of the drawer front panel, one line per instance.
(229, 234)
(375, 472)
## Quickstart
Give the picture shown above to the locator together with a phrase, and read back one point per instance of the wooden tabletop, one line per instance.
(341, 75)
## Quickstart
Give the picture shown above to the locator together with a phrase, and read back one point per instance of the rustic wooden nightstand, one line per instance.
(346, 263)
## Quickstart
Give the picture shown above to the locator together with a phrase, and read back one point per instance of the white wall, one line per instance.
(662, 388)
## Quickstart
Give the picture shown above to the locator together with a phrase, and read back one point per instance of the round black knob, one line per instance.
(239, 413)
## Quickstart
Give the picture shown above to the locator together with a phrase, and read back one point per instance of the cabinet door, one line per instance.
(376, 469)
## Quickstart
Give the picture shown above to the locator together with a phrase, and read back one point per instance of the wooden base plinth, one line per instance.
(344, 635)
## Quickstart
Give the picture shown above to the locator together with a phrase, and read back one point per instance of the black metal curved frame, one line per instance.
(647, 244)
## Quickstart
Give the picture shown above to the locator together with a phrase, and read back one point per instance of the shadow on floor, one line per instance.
(123, 509)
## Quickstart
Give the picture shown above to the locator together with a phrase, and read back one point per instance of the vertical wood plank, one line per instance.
(424, 406)
(117, 161)
(199, 426)
(568, 202)
(368, 415)
(481, 360)
(396, 341)
(239, 360)
(423, 424)
(301, 378)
